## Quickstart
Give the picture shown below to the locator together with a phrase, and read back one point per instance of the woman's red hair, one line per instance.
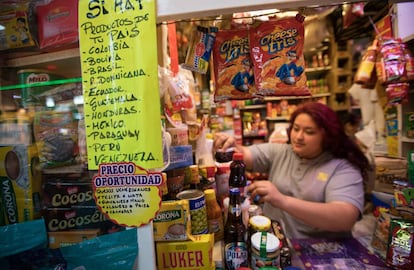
(335, 139)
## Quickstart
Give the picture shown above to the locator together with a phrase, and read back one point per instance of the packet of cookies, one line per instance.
(233, 68)
(56, 137)
(199, 51)
(277, 51)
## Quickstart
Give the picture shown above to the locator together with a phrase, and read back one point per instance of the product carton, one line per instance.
(387, 170)
(187, 255)
(20, 182)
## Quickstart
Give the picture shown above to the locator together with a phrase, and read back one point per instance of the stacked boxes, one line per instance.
(69, 209)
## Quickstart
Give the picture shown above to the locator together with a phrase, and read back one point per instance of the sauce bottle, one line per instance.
(214, 215)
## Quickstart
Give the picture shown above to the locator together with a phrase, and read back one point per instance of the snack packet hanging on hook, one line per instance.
(277, 51)
(199, 51)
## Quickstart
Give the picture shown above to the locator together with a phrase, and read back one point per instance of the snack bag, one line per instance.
(277, 53)
(233, 69)
(56, 138)
(199, 52)
(400, 252)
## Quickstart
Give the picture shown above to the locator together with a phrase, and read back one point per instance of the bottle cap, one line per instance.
(271, 242)
(260, 223)
(238, 156)
(210, 194)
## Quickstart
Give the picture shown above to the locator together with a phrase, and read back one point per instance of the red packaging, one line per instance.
(277, 51)
(57, 23)
(400, 252)
(233, 69)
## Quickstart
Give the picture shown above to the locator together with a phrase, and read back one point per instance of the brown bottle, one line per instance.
(235, 248)
(238, 177)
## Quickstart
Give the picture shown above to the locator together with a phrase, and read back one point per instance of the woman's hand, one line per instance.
(267, 192)
(223, 141)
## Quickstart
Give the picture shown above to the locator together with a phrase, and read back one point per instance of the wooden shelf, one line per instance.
(318, 69)
(65, 62)
(278, 118)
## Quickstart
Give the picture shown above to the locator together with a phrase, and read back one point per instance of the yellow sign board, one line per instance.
(120, 82)
(127, 194)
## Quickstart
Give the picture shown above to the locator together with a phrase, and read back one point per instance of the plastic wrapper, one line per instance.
(233, 69)
(391, 64)
(112, 251)
(397, 93)
(277, 51)
(400, 252)
(16, 17)
(199, 51)
(56, 136)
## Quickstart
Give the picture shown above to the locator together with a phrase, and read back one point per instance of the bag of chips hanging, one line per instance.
(233, 70)
(277, 51)
(199, 52)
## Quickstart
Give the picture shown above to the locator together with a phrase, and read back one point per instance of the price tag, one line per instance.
(127, 194)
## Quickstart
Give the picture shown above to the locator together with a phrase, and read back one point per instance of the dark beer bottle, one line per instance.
(238, 173)
(235, 248)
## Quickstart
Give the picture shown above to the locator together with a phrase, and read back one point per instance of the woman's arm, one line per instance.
(331, 216)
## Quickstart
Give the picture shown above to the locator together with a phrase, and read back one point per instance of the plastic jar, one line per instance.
(264, 250)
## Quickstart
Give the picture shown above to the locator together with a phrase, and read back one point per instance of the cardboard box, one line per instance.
(187, 255)
(57, 23)
(20, 182)
(180, 156)
(63, 192)
(387, 170)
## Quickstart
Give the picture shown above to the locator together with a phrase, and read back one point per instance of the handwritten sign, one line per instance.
(120, 82)
(127, 194)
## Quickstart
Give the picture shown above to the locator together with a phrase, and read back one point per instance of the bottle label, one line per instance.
(216, 226)
(236, 255)
(235, 210)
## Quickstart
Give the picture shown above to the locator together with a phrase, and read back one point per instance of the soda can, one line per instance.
(198, 211)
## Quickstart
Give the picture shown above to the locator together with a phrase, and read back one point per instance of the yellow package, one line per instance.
(195, 254)
(172, 222)
(16, 32)
(20, 182)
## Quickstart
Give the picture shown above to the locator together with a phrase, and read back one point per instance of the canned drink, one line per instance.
(198, 210)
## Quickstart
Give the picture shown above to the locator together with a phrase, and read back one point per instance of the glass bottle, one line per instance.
(164, 187)
(235, 248)
(214, 215)
(194, 177)
(238, 177)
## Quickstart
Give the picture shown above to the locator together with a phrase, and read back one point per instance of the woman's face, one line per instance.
(306, 137)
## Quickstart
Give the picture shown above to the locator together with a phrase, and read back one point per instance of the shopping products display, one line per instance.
(185, 197)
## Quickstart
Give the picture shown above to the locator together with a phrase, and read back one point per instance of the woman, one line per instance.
(316, 180)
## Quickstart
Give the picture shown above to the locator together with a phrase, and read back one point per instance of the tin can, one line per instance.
(30, 95)
(198, 211)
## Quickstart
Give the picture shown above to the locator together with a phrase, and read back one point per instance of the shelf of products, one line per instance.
(67, 61)
(341, 77)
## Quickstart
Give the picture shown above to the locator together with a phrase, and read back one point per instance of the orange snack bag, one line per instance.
(277, 52)
(233, 70)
